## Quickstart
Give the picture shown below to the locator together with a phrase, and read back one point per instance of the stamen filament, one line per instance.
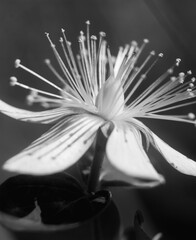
(53, 70)
(168, 117)
(14, 82)
(134, 77)
(64, 69)
(18, 64)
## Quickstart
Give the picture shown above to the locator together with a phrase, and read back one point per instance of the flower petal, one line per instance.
(125, 152)
(111, 177)
(175, 158)
(57, 149)
(47, 116)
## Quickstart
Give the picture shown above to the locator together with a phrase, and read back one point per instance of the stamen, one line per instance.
(191, 116)
(173, 79)
(49, 65)
(102, 65)
(178, 60)
(94, 67)
(74, 69)
(102, 35)
(88, 41)
(181, 77)
(142, 77)
(145, 41)
(87, 74)
(84, 64)
(65, 71)
(14, 82)
(70, 52)
(191, 85)
(51, 43)
(176, 118)
(18, 64)
(191, 94)
(31, 97)
(150, 103)
(160, 55)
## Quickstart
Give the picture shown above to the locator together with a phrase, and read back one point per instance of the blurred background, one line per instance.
(170, 27)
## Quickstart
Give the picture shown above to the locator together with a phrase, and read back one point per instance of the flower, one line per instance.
(99, 90)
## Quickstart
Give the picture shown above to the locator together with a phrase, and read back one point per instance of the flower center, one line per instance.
(110, 99)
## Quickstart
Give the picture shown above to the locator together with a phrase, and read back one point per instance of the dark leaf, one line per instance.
(78, 210)
(19, 193)
(115, 183)
(60, 198)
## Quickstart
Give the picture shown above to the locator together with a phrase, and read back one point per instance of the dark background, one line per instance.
(170, 27)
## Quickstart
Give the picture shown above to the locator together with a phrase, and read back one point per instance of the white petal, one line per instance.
(112, 177)
(47, 116)
(125, 152)
(175, 158)
(58, 149)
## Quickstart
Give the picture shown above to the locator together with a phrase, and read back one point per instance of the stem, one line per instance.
(97, 161)
(97, 231)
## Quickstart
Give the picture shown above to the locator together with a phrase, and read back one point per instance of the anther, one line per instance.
(173, 79)
(17, 63)
(191, 116)
(181, 77)
(152, 53)
(146, 40)
(189, 72)
(102, 34)
(160, 55)
(47, 61)
(136, 69)
(30, 100)
(170, 70)
(181, 74)
(143, 76)
(88, 22)
(81, 37)
(190, 93)
(191, 85)
(134, 44)
(31, 97)
(45, 104)
(50, 41)
(178, 60)
(13, 81)
(93, 37)
(193, 79)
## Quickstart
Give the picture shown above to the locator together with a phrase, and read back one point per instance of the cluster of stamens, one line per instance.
(84, 76)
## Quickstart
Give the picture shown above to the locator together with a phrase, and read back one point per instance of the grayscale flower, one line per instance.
(96, 90)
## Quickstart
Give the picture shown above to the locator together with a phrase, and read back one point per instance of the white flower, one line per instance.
(96, 89)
